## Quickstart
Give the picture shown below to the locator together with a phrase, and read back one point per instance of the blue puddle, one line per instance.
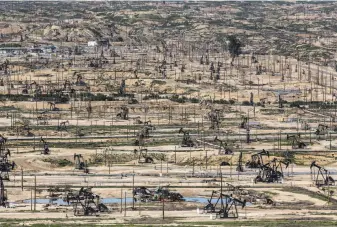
(60, 202)
(64, 203)
(47, 201)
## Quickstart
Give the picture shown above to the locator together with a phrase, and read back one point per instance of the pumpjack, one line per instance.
(67, 85)
(322, 177)
(5, 165)
(52, 106)
(89, 109)
(235, 190)
(85, 202)
(122, 88)
(3, 148)
(142, 156)
(223, 148)
(25, 128)
(140, 139)
(295, 142)
(144, 194)
(124, 113)
(244, 122)
(305, 125)
(80, 164)
(257, 160)
(187, 140)
(251, 100)
(163, 193)
(79, 132)
(321, 129)
(45, 147)
(225, 206)
(214, 117)
(79, 80)
(3, 194)
(42, 119)
(202, 60)
(144, 133)
(30, 86)
(63, 126)
(132, 101)
(272, 171)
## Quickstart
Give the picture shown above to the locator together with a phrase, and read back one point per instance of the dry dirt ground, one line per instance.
(108, 141)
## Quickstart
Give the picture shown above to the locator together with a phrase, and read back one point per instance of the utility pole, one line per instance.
(121, 200)
(35, 193)
(133, 188)
(206, 159)
(163, 208)
(21, 179)
(230, 170)
(161, 166)
(175, 154)
(31, 199)
(125, 204)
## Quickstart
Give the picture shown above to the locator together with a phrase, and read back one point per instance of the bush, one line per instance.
(159, 82)
(64, 162)
(175, 98)
(221, 101)
(194, 100)
(151, 96)
(246, 103)
(58, 162)
(10, 45)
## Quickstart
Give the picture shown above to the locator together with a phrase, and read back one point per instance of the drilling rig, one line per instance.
(322, 176)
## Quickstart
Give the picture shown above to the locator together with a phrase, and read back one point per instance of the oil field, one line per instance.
(168, 113)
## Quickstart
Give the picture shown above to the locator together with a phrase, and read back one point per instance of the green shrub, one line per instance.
(246, 103)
